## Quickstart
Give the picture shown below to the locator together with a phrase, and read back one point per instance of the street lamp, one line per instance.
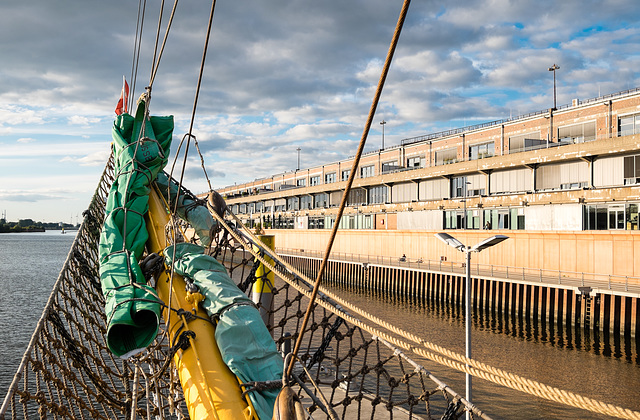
(453, 242)
(553, 69)
(298, 167)
(382, 123)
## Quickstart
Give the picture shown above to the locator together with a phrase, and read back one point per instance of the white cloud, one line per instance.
(26, 140)
(81, 120)
(278, 76)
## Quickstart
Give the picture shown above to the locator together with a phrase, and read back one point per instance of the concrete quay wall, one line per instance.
(556, 306)
(612, 254)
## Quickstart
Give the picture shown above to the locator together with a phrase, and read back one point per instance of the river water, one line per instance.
(29, 266)
(606, 368)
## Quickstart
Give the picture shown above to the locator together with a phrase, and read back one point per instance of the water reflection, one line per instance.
(604, 343)
(600, 365)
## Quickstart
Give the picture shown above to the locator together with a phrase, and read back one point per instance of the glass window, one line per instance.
(481, 151)
(616, 216)
(632, 170)
(321, 200)
(357, 197)
(293, 204)
(632, 217)
(601, 218)
(316, 222)
(458, 186)
(301, 182)
(520, 220)
(345, 175)
(314, 180)
(577, 133)
(629, 125)
(416, 162)
(306, 202)
(378, 195)
(447, 156)
(524, 142)
(452, 219)
(367, 171)
(390, 166)
(330, 178)
(473, 219)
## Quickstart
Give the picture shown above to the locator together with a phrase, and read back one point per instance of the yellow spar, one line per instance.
(211, 390)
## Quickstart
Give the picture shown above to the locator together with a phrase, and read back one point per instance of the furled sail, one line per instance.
(140, 146)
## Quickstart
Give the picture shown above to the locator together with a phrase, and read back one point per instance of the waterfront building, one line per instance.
(563, 183)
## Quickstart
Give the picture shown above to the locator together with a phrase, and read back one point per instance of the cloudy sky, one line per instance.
(282, 75)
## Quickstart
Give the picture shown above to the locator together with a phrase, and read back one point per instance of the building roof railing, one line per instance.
(456, 131)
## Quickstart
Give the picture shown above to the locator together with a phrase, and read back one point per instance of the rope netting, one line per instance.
(67, 370)
(347, 367)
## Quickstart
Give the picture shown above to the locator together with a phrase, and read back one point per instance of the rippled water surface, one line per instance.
(29, 266)
(604, 367)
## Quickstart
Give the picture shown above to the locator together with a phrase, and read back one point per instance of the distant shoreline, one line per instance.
(35, 230)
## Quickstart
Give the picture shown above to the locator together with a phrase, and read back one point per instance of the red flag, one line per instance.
(123, 103)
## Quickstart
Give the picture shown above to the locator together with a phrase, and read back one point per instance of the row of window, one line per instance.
(577, 133)
(611, 216)
(618, 171)
(594, 217)
(507, 218)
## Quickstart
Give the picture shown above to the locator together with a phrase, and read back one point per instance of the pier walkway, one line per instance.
(603, 283)
(598, 302)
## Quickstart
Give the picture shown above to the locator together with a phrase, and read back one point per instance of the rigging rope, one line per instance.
(190, 135)
(156, 64)
(354, 167)
(142, 4)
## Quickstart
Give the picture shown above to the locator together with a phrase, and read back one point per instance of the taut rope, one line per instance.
(354, 167)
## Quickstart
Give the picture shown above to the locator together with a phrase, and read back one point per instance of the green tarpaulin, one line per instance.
(244, 341)
(141, 147)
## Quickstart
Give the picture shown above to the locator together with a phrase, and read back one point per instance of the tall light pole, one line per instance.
(453, 242)
(382, 123)
(553, 69)
(298, 167)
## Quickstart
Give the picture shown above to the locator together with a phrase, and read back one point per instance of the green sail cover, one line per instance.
(132, 307)
(244, 341)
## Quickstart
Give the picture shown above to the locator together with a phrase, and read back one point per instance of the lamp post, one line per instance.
(453, 242)
(553, 69)
(382, 123)
(298, 167)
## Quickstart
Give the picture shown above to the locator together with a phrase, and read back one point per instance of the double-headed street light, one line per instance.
(487, 243)
(382, 123)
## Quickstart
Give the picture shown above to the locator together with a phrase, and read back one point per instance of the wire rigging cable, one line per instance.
(190, 135)
(156, 63)
(354, 167)
(142, 5)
